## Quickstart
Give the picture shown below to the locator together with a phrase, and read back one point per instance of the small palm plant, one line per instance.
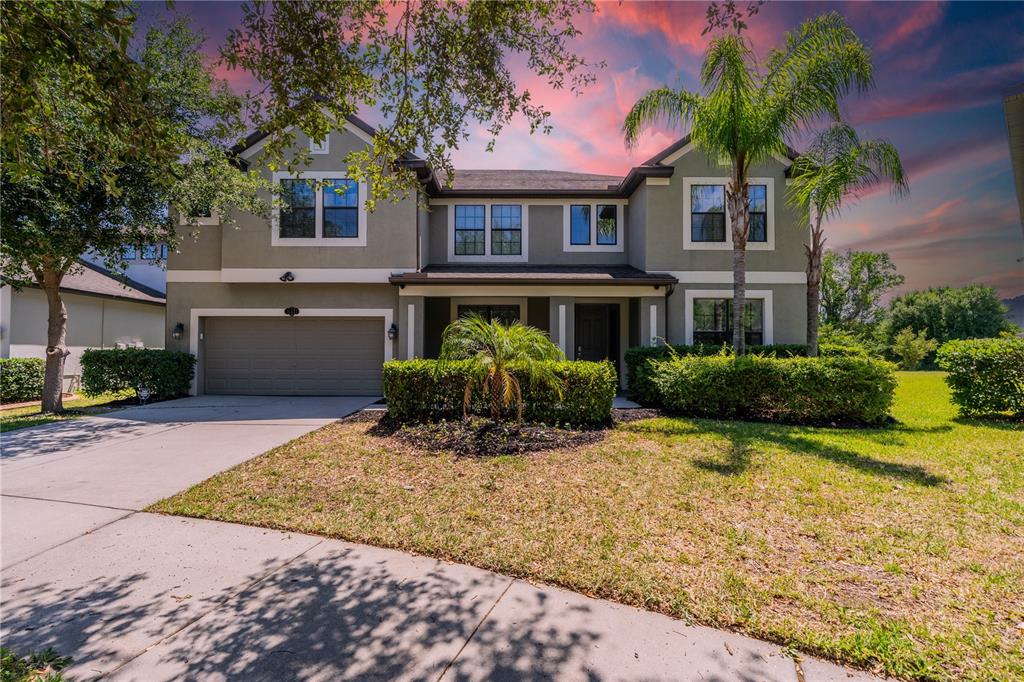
(495, 349)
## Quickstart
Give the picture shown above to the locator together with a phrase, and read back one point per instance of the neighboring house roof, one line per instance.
(533, 274)
(95, 280)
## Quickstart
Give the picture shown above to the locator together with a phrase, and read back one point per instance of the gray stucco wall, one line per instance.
(789, 303)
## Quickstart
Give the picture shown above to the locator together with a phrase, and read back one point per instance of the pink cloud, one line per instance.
(919, 18)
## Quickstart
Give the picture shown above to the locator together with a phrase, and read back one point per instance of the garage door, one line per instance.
(293, 355)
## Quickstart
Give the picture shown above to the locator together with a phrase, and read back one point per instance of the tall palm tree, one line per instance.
(748, 111)
(495, 350)
(836, 165)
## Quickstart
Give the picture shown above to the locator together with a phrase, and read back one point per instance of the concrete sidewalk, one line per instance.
(153, 597)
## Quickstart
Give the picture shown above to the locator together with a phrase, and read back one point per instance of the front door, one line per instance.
(593, 331)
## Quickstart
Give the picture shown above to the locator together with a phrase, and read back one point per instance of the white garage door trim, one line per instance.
(387, 314)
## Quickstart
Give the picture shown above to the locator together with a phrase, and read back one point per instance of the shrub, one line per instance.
(638, 363)
(912, 348)
(422, 390)
(21, 379)
(836, 342)
(986, 376)
(166, 373)
(805, 390)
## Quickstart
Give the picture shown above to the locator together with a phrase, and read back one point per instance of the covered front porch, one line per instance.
(590, 313)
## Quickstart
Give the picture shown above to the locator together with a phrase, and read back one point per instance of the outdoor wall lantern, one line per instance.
(393, 332)
(178, 331)
(287, 277)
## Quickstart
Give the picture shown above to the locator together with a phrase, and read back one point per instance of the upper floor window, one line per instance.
(712, 321)
(149, 252)
(487, 231)
(708, 225)
(506, 229)
(757, 203)
(320, 208)
(579, 228)
(593, 227)
(470, 224)
(298, 216)
(707, 213)
(607, 224)
(341, 208)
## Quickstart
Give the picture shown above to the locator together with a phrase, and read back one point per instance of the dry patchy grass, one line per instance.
(898, 550)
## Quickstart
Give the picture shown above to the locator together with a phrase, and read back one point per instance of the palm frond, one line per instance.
(664, 105)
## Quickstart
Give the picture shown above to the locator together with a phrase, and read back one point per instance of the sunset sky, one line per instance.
(941, 70)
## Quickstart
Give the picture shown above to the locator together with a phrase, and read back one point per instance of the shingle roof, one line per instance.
(532, 274)
(98, 281)
(529, 180)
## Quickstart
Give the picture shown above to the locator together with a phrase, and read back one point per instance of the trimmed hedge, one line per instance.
(166, 373)
(985, 376)
(802, 390)
(638, 363)
(424, 390)
(21, 379)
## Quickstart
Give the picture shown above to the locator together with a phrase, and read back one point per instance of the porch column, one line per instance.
(411, 316)
(563, 324)
(652, 321)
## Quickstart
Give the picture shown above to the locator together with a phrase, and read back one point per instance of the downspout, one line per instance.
(668, 293)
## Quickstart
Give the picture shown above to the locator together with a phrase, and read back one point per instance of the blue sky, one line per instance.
(941, 70)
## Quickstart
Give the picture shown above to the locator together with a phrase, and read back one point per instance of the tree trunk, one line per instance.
(56, 333)
(739, 214)
(814, 251)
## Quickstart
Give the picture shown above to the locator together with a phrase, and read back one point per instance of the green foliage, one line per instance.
(912, 348)
(852, 286)
(422, 390)
(166, 373)
(434, 70)
(970, 312)
(802, 390)
(748, 110)
(639, 363)
(493, 348)
(985, 376)
(37, 666)
(837, 342)
(21, 379)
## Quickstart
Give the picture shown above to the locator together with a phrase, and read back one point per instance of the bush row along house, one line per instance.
(315, 299)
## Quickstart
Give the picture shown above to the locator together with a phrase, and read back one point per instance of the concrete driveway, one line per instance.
(63, 479)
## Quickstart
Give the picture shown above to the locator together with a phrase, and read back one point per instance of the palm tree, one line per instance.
(835, 166)
(495, 350)
(748, 111)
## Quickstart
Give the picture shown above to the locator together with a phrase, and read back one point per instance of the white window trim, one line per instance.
(764, 294)
(688, 242)
(319, 240)
(487, 257)
(324, 148)
(386, 314)
(593, 247)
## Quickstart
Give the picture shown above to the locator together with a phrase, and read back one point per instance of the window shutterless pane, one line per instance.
(579, 224)
(298, 216)
(469, 230)
(757, 200)
(149, 252)
(707, 213)
(607, 224)
(506, 230)
(128, 252)
(712, 321)
(163, 251)
(506, 217)
(341, 208)
(506, 314)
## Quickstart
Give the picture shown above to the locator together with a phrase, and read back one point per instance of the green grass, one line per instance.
(897, 550)
(79, 406)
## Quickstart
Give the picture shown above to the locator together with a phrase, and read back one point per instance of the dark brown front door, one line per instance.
(593, 331)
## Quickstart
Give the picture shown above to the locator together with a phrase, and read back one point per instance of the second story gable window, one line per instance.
(470, 224)
(298, 217)
(579, 224)
(341, 208)
(707, 213)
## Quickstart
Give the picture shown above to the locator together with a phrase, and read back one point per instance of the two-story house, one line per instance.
(315, 299)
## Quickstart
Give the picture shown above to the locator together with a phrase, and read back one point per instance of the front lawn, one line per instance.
(898, 550)
(78, 406)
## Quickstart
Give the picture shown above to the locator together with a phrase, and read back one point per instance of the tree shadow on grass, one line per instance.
(742, 436)
(1001, 422)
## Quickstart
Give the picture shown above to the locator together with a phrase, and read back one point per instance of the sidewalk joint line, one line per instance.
(84, 504)
(81, 535)
(468, 639)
